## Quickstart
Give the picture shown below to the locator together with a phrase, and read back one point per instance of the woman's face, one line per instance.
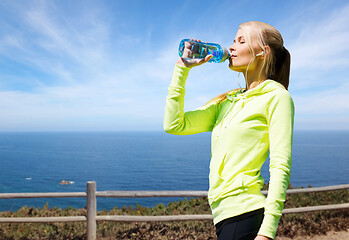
(241, 55)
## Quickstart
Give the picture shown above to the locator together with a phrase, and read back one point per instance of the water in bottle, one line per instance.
(189, 49)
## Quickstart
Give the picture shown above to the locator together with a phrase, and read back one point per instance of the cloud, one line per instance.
(320, 62)
(91, 81)
(323, 103)
(323, 109)
(88, 71)
(82, 42)
(60, 45)
(322, 45)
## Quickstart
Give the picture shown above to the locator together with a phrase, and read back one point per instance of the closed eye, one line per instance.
(240, 40)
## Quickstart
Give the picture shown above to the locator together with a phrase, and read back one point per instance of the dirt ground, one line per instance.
(343, 235)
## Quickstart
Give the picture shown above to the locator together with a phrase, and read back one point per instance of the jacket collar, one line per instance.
(264, 87)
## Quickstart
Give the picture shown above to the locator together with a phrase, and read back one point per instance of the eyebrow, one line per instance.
(239, 38)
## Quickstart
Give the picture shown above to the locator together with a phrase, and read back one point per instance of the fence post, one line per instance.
(91, 210)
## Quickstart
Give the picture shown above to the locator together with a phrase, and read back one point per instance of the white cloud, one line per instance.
(322, 44)
(92, 81)
(96, 74)
(325, 109)
(323, 103)
(320, 62)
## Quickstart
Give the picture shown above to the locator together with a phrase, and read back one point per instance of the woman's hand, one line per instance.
(260, 237)
(193, 62)
(187, 57)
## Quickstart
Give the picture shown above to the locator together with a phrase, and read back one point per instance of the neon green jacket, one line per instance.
(245, 128)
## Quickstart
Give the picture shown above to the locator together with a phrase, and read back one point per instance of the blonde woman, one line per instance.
(246, 125)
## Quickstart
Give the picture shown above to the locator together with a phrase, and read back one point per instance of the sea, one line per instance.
(35, 162)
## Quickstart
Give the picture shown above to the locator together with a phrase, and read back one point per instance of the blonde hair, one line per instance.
(275, 65)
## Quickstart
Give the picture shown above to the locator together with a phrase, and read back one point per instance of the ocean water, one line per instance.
(37, 162)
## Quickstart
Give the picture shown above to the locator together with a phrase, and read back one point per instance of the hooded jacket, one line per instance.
(246, 127)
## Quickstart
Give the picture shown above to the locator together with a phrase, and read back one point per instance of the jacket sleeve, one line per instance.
(280, 118)
(178, 122)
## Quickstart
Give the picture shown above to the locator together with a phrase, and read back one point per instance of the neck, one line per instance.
(253, 79)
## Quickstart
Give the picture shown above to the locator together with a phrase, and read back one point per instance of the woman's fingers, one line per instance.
(192, 62)
(188, 62)
(206, 59)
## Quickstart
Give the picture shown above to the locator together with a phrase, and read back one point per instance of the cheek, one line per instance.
(245, 54)
(243, 58)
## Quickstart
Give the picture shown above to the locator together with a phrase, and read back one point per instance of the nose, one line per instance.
(231, 48)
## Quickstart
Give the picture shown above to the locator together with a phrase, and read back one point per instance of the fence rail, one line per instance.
(148, 194)
(91, 194)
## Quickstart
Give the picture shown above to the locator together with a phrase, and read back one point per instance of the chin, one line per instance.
(233, 66)
(236, 68)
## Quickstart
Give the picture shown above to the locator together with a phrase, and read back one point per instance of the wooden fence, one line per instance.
(91, 218)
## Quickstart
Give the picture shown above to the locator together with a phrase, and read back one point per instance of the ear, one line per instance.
(267, 50)
(264, 52)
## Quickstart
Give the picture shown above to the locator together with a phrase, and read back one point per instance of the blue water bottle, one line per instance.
(189, 49)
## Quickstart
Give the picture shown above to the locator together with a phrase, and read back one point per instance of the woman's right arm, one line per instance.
(176, 121)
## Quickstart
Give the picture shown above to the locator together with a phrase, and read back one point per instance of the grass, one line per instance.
(290, 225)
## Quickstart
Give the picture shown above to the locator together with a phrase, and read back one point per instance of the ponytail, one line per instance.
(281, 69)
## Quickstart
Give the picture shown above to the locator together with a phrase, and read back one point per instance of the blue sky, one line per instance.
(106, 65)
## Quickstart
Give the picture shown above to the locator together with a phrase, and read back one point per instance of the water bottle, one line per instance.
(189, 49)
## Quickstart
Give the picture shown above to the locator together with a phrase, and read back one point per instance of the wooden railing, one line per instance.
(91, 194)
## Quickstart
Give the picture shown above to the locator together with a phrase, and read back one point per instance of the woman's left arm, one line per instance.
(280, 120)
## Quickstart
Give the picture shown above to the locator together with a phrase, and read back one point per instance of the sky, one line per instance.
(106, 65)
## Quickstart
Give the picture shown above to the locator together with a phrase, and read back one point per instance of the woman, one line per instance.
(246, 126)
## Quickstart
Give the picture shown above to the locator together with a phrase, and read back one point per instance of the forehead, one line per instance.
(240, 33)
